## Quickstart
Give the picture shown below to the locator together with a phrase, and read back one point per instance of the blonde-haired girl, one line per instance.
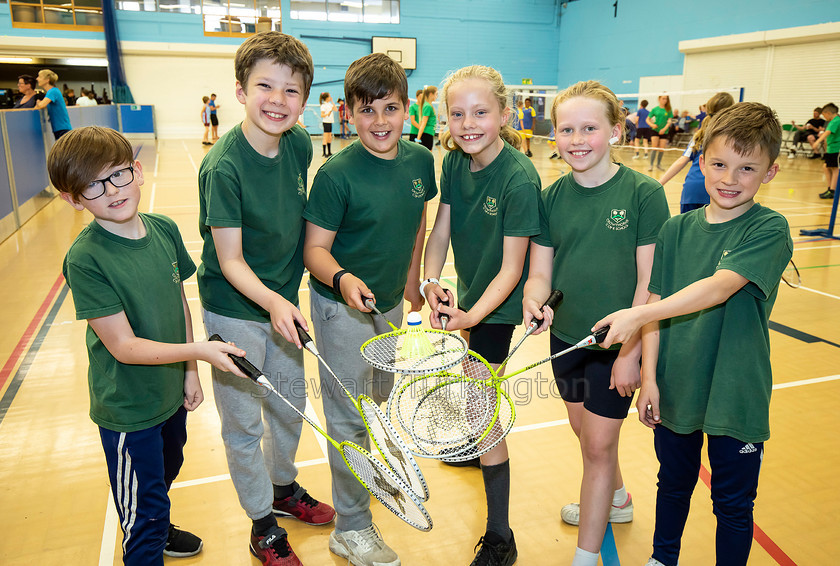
(489, 209)
(600, 227)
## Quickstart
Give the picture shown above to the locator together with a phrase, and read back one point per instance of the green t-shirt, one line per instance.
(660, 117)
(428, 110)
(832, 141)
(374, 206)
(109, 274)
(595, 232)
(412, 112)
(713, 370)
(265, 197)
(503, 199)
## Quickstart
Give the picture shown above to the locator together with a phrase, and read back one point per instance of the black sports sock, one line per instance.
(497, 490)
(284, 491)
(262, 526)
(324, 149)
(329, 149)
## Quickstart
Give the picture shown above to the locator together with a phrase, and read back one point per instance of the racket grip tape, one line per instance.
(553, 299)
(444, 318)
(600, 334)
(247, 367)
(305, 338)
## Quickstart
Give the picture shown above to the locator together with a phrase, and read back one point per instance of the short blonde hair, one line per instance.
(49, 75)
(497, 88)
(81, 154)
(597, 91)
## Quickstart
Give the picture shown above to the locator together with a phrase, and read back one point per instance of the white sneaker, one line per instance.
(571, 513)
(654, 562)
(792, 154)
(636, 156)
(363, 548)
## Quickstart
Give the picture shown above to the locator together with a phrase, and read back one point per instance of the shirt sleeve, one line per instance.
(93, 296)
(653, 212)
(521, 211)
(223, 200)
(327, 203)
(761, 257)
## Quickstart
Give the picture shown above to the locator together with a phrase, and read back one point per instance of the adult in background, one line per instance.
(659, 120)
(808, 133)
(88, 98)
(26, 85)
(54, 103)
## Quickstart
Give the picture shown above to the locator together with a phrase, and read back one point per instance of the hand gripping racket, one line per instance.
(430, 437)
(389, 443)
(385, 352)
(467, 404)
(377, 478)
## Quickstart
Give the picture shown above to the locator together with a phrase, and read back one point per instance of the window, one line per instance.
(367, 11)
(168, 6)
(57, 14)
(237, 17)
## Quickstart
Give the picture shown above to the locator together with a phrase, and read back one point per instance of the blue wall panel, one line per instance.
(643, 37)
(137, 119)
(6, 207)
(26, 142)
(104, 115)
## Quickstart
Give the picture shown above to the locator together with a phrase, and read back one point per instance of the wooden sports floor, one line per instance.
(55, 504)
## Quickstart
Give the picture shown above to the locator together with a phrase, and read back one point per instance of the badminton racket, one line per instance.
(386, 353)
(791, 276)
(467, 404)
(375, 476)
(402, 403)
(392, 448)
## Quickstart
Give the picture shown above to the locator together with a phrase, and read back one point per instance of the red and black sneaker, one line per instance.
(304, 507)
(273, 548)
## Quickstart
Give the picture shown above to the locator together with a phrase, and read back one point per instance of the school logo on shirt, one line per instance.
(490, 206)
(301, 189)
(418, 191)
(617, 219)
(722, 256)
(176, 275)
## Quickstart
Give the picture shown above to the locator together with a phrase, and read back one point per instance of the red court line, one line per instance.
(760, 536)
(29, 332)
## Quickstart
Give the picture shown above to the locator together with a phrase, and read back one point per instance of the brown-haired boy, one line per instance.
(126, 270)
(364, 239)
(706, 365)
(252, 192)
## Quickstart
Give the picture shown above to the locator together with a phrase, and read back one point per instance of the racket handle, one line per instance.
(372, 306)
(247, 367)
(444, 318)
(552, 301)
(601, 333)
(305, 338)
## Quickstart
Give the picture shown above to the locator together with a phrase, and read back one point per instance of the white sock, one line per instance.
(619, 497)
(585, 558)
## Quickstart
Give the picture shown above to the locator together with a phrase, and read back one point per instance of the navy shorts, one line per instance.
(643, 134)
(831, 160)
(327, 127)
(583, 376)
(214, 120)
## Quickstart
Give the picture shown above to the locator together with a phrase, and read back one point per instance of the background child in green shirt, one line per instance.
(831, 137)
(126, 271)
(706, 345)
(366, 220)
(252, 191)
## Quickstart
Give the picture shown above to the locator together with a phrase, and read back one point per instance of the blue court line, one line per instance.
(798, 334)
(609, 552)
(23, 369)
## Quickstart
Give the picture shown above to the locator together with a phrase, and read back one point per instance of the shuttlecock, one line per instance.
(416, 345)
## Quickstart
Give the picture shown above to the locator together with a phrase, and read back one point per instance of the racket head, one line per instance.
(385, 352)
(791, 276)
(393, 448)
(462, 419)
(385, 486)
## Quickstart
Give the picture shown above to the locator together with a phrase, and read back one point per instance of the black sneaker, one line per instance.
(529, 154)
(827, 194)
(816, 155)
(181, 544)
(494, 551)
(472, 462)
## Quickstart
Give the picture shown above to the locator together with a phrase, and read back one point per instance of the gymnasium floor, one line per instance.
(54, 496)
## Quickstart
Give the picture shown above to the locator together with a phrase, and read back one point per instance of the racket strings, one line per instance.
(392, 448)
(386, 487)
(399, 352)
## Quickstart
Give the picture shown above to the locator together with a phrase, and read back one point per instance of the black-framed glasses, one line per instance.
(121, 178)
